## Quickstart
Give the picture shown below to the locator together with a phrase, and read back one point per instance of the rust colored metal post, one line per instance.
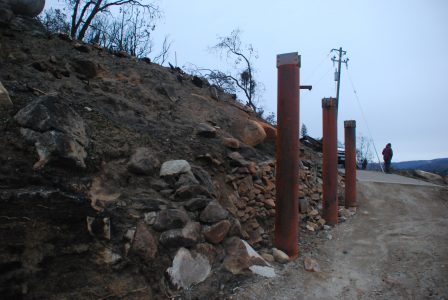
(287, 154)
(350, 163)
(330, 161)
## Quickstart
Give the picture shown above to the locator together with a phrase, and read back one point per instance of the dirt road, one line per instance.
(395, 247)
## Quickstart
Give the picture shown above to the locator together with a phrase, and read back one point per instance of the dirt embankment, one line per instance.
(112, 166)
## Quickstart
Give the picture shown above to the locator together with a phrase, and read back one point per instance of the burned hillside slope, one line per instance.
(117, 174)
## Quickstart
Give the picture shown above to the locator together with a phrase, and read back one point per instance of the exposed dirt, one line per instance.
(395, 247)
(53, 221)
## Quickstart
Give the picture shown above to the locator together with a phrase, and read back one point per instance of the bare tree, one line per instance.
(85, 11)
(363, 150)
(243, 78)
(163, 55)
(54, 20)
(128, 31)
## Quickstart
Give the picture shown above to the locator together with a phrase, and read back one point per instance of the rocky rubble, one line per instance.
(147, 179)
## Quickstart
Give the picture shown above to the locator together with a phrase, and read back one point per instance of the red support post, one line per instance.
(330, 161)
(287, 154)
(350, 163)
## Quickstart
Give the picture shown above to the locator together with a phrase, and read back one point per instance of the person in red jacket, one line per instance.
(387, 157)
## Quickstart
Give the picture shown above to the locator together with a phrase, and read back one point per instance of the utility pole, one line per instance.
(340, 61)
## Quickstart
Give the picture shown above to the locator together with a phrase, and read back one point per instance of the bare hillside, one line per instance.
(124, 179)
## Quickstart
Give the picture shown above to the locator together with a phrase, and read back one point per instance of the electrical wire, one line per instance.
(364, 118)
(309, 77)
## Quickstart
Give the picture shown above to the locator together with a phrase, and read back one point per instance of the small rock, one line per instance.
(280, 256)
(231, 143)
(321, 222)
(313, 213)
(185, 237)
(235, 228)
(270, 203)
(174, 167)
(216, 232)
(213, 212)
(150, 218)
(143, 162)
(5, 101)
(144, 244)
(159, 184)
(213, 253)
(196, 204)
(205, 130)
(189, 191)
(268, 257)
(188, 268)
(311, 265)
(264, 271)
(186, 179)
(129, 235)
(170, 219)
(109, 257)
(310, 228)
(238, 159)
(303, 205)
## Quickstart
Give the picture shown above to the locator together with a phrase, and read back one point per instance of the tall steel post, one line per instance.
(287, 154)
(350, 163)
(330, 161)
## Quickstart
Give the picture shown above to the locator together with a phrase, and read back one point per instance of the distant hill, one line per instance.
(439, 166)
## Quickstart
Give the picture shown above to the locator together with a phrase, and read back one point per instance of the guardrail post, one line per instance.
(330, 161)
(350, 163)
(287, 154)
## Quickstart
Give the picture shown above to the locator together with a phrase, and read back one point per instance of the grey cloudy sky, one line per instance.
(398, 54)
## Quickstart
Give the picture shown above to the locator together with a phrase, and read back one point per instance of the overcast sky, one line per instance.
(398, 53)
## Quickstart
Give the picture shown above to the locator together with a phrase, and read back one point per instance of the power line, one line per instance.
(364, 118)
(309, 77)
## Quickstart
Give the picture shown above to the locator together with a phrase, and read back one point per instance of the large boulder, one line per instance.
(242, 258)
(55, 129)
(188, 268)
(30, 8)
(271, 132)
(249, 132)
(53, 113)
